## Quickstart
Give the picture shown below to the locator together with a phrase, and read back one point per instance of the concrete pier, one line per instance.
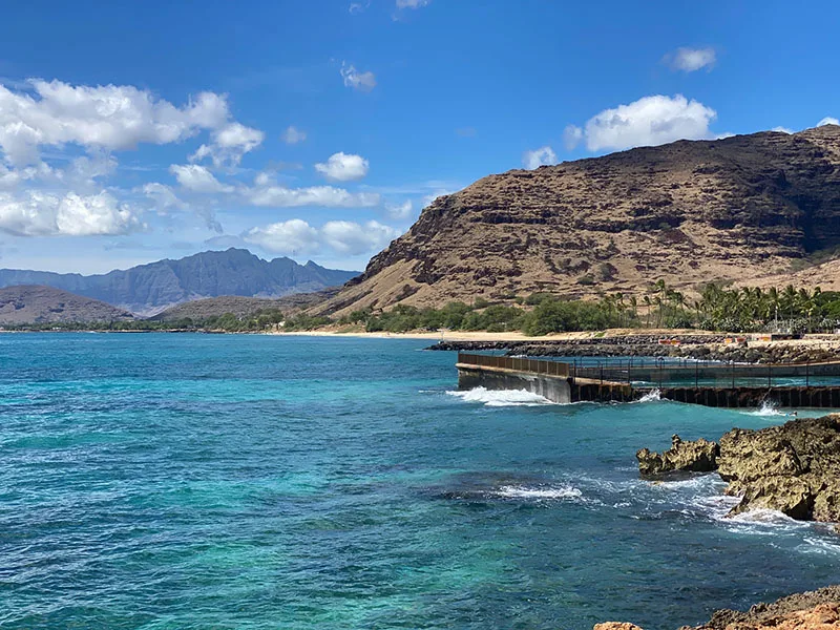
(566, 382)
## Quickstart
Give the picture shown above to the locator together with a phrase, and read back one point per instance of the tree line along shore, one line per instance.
(715, 308)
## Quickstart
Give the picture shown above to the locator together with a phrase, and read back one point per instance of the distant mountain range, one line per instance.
(45, 305)
(149, 289)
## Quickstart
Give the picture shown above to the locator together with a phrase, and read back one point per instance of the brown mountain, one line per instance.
(43, 305)
(687, 212)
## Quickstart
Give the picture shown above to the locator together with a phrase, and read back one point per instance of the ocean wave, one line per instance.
(768, 408)
(501, 397)
(541, 492)
(652, 396)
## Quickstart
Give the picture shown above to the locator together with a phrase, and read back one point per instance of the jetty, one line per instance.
(712, 384)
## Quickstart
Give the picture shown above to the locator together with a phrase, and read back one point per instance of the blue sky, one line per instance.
(319, 130)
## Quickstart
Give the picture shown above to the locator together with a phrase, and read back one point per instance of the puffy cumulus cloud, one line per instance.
(691, 59)
(288, 237)
(650, 121)
(361, 81)
(544, 156)
(198, 179)
(229, 145)
(111, 117)
(341, 167)
(347, 237)
(412, 4)
(400, 212)
(297, 237)
(275, 196)
(42, 214)
(828, 120)
(293, 135)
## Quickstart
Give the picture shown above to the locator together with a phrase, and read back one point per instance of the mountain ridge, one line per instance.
(151, 288)
(687, 212)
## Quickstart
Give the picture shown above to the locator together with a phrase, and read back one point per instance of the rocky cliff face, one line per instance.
(688, 212)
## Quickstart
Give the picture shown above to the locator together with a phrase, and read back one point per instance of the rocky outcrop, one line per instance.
(688, 212)
(793, 468)
(815, 610)
(697, 456)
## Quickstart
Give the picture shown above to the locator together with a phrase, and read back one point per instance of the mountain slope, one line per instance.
(148, 289)
(688, 212)
(242, 306)
(39, 304)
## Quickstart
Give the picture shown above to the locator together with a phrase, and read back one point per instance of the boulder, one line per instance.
(697, 456)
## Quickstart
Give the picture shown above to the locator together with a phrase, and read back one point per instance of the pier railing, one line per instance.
(661, 372)
(516, 364)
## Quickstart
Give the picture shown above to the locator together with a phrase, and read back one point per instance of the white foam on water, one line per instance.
(501, 397)
(768, 409)
(770, 518)
(652, 396)
(542, 492)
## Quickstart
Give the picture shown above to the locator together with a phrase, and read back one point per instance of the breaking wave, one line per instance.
(547, 492)
(652, 396)
(501, 397)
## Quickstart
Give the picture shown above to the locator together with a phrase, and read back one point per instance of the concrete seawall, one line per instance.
(555, 389)
(567, 383)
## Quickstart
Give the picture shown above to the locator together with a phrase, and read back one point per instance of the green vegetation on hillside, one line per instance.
(717, 308)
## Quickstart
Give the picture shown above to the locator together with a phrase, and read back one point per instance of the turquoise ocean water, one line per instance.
(198, 481)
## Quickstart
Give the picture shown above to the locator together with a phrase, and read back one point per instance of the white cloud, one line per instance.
(198, 179)
(164, 199)
(412, 4)
(361, 81)
(401, 211)
(42, 214)
(650, 121)
(288, 237)
(544, 156)
(297, 237)
(691, 59)
(293, 135)
(320, 196)
(229, 144)
(359, 7)
(342, 167)
(347, 237)
(572, 135)
(828, 120)
(109, 117)
(782, 130)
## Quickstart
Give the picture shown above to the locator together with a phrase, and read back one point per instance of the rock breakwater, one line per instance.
(701, 347)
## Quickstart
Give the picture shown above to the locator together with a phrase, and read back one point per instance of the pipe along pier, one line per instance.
(711, 384)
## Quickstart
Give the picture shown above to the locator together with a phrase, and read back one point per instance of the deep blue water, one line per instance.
(197, 481)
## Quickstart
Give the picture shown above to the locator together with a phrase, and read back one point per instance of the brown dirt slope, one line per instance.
(39, 305)
(687, 212)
